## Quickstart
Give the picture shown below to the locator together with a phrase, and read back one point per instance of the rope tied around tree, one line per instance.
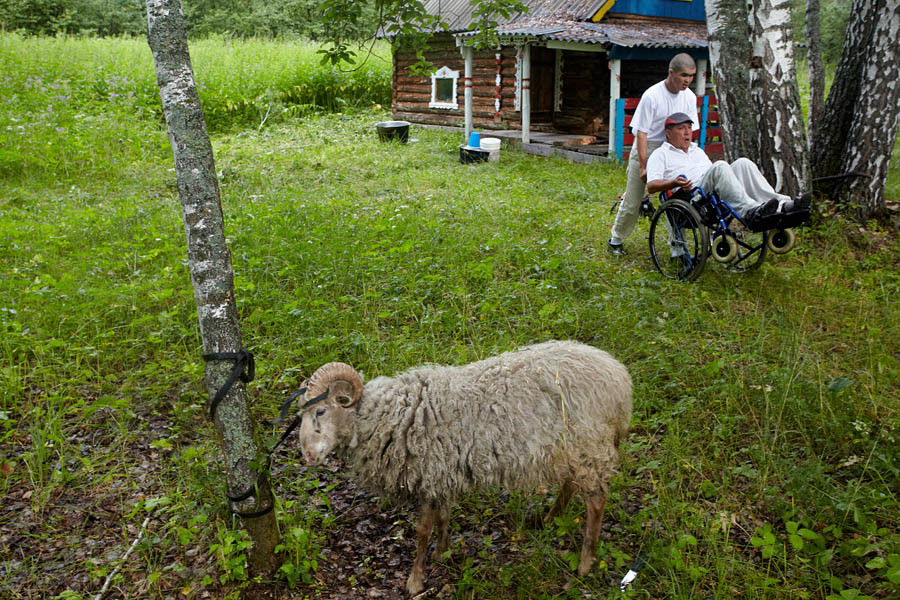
(245, 370)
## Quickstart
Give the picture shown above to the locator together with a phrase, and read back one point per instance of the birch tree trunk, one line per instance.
(853, 141)
(816, 68)
(729, 54)
(780, 135)
(209, 262)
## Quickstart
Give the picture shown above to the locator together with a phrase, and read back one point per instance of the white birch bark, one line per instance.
(780, 134)
(729, 54)
(209, 262)
(852, 144)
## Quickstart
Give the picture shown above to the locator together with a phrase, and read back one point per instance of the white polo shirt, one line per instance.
(668, 162)
(657, 103)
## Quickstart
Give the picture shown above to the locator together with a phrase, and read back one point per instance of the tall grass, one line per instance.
(763, 461)
(62, 95)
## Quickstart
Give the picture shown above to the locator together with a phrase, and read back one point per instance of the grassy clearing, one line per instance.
(764, 456)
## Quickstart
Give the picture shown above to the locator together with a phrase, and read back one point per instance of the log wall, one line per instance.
(411, 95)
(585, 88)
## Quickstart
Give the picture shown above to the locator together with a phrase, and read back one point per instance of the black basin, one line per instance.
(467, 154)
(393, 130)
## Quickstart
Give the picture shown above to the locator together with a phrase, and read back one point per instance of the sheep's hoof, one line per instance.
(415, 584)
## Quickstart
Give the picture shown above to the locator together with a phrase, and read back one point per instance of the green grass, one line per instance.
(763, 461)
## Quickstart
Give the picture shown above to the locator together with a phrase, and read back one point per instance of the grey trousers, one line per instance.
(740, 184)
(629, 209)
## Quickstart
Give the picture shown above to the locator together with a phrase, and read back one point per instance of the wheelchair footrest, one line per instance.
(781, 221)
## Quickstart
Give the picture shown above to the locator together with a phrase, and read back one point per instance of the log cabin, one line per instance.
(560, 67)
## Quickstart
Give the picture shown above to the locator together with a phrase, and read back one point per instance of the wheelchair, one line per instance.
(688, 228)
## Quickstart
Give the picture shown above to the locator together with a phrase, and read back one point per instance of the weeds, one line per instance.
(763, 461)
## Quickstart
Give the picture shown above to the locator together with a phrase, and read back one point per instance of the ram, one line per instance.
(548, 414)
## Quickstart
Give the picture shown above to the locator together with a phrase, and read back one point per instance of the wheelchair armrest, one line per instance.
(674, 193)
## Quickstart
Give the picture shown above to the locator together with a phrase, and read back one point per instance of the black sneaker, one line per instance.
(616, 249)
(761, 211)
(799, 203)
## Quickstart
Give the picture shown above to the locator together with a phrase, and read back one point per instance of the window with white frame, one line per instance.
(443, 88)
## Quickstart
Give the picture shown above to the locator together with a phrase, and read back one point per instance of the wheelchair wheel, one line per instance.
(679, 242)
(724, 248)
(781, 241)
(751, 247)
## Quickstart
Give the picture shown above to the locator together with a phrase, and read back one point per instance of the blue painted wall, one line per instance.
(676, 9)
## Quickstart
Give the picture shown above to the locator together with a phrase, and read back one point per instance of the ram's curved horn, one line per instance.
(328, 373)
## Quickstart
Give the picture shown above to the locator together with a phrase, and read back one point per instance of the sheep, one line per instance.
(546, 414)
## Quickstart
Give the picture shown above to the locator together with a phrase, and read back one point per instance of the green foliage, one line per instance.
(833, 16)
(231, 553)
(763, 459)
(89, 17)
(283, 19)
(81, 90)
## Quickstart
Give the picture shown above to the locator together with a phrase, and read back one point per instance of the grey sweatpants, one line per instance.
(629, 209)
(740, 184)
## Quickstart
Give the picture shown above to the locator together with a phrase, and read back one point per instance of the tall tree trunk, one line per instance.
(816, 68)
(209, 262)
(780, 135)
(853, 141)
(729, 53)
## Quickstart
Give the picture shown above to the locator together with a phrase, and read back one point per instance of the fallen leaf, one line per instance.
(6, 468)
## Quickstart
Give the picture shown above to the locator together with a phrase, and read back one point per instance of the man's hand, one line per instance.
(685, 184)
(644, 173)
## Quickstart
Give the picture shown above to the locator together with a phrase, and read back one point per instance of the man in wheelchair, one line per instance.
(680, 165)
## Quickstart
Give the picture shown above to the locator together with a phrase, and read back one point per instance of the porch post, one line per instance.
(615, 70)
(700, 79)
(526, 93)
(467, 52)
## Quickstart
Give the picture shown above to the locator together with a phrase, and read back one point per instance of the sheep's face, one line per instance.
(323, 426)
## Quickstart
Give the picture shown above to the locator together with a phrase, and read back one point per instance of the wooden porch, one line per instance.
(578, 148)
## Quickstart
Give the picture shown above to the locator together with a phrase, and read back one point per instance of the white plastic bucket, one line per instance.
(492, 145)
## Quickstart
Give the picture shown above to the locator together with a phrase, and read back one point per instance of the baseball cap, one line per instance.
(678, 118)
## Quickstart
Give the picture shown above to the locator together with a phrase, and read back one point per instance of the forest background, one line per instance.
(284, 19)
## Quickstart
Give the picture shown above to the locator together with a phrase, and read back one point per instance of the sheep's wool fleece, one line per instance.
(527, 419)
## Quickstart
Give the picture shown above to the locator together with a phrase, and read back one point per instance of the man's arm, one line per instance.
(642, 152)
(658, 185)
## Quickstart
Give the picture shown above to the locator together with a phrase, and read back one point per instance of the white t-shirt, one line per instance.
(668, 162)
(656, 104)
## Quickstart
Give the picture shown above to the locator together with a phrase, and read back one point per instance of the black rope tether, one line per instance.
(245, 370)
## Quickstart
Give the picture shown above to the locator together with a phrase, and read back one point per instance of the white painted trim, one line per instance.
(498, 83)
(615, 70)
(467, 53)
(518, 97)
(526, 94)
(444, 73)
(557, 81)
